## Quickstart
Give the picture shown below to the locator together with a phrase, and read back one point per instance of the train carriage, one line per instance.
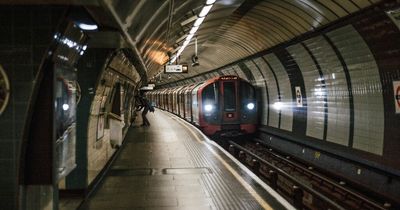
(224, 105)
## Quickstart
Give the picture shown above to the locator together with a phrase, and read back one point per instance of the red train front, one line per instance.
(224, 105)
(227, 106)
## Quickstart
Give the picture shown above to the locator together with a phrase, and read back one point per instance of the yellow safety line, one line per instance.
(250, 189)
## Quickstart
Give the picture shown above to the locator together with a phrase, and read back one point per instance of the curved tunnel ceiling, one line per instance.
(233, 30)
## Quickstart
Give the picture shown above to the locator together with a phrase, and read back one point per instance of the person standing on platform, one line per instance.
(145, 104)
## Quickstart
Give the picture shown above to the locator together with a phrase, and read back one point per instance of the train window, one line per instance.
(210, 96)
(229, 96)
(248, 96)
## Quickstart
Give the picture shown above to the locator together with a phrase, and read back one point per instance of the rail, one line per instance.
(298, 185)
(336, 185)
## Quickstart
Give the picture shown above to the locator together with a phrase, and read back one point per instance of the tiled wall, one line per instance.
(347, 80)
(285, 93)
(273, 93)
(89, 69)
(261, 83)
(22, 45)
(383, 39)
(337, 95)
(315, 90)
(99, 148)
(366, 89)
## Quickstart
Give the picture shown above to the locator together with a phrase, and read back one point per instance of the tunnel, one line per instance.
(326, 76)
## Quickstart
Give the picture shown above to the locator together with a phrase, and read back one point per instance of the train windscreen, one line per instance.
(210, 95)
(229, 96)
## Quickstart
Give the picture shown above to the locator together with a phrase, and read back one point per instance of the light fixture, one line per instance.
(189, 37)
(65, 107)
(250, 106)
(194, 29)
(87, 27)
(185, 43)
(205, 10)
(173, 59)
(208, 108)
(198, 21)
(200, 18)
(210, 2)
(180, 51)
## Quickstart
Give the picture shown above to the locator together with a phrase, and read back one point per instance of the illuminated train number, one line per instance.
(228, 78)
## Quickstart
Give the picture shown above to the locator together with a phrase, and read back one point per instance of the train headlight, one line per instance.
(208, 107)
(65, 107)
(250, 106)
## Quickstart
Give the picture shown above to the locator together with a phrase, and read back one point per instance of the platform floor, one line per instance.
(170, 165)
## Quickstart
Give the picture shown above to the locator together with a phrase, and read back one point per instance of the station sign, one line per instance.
(396, 91)
(176, 68)
(299, 97)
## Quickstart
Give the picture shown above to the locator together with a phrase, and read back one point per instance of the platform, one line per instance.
(171, 165)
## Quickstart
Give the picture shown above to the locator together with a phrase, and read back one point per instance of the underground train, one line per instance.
(224, 105)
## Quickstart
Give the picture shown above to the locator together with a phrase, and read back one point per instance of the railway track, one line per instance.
(306, 187)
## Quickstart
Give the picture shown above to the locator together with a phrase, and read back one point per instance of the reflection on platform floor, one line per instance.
(165, 166)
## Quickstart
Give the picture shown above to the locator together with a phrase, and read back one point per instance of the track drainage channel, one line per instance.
(155, 171)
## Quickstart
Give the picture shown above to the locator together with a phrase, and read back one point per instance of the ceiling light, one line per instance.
(173, 60)
(205, 10)
(189, 37)
(185, 43)
(180, 51)
(87, 27)
(193, 30)
(210, 2)
(198, 21)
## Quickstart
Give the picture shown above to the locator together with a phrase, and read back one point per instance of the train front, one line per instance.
(228, 107)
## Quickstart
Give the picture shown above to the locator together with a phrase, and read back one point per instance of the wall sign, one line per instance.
(299, 97)
(176, 68)
(396, 91)
(4, 90)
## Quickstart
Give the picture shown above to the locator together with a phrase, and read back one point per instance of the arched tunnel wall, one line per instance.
(29, 49)
(115, 89)
(22, 46)
(331, 90)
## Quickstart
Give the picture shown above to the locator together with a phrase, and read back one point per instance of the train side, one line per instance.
(224, 105)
